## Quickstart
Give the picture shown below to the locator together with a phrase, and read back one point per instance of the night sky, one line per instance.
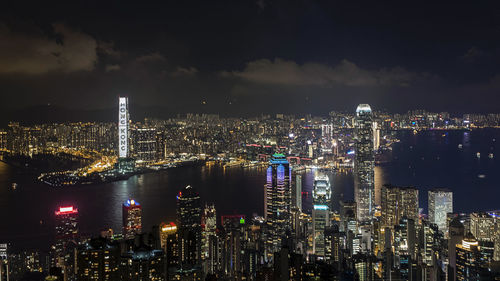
(241, 57)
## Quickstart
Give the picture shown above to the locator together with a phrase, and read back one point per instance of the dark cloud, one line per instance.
(37, 53)
(473, 54)
(185, 71)
(284, 72)
(112, 67)
(152, 57)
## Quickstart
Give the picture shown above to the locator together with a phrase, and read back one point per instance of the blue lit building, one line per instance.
(277, 202)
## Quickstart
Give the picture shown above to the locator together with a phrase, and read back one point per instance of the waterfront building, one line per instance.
(440, 203)
(277, 202)
(189, 221)
(320, 214)
(144, 145)
(364, 163)
(132, 218)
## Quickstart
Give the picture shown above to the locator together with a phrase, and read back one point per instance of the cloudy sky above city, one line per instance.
(251, 57)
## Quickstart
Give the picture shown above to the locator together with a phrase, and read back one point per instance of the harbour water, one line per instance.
(425, 160)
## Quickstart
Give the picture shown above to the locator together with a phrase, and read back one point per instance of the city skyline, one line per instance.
(259, 140)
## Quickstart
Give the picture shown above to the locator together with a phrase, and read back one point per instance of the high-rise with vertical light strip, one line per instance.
(364, 163)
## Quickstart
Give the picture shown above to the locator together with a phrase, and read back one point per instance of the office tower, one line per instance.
(123, 128)
(364, 162)
(144, 145)
(483, 226)
(277, 202)
(166, 230)
(321, 213)
(132, 218)
(440, 204)
(189, 221)
(363, 265)
(209, 248)
(232, 245)
(468, 259)
(298, 192)
(66, 228)
(398, 202)
(429, 237)
(66, 236)
(456, 235)
(98, 259)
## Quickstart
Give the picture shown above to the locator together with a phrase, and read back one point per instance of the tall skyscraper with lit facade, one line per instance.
(123, 128)
(189, 221)
(209, 248)
(364, 163)
(66, 240)
(132, 218)
(440, 202)
(321, 213)
(277, 202)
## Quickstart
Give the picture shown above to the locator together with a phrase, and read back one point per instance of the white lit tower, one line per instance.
(440, 202)
(125, 163)
(322, 193)
(123, 128)
(364, 162)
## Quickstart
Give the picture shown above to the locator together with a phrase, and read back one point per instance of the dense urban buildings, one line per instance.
(299, 234)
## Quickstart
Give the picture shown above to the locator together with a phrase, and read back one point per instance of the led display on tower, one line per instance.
(123, 123)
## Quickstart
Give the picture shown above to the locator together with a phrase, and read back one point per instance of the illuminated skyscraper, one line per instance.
(398, 202)
(321, 213)
(123, 128)
(277, 202)
(440, 204)
(209, 248)
(364, 162)
(125, 163)
(66, 236)
(132, 218)
(469, 264)
(189, 216)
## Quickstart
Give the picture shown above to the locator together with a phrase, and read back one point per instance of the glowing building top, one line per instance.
(363, 108)
(66, 210)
